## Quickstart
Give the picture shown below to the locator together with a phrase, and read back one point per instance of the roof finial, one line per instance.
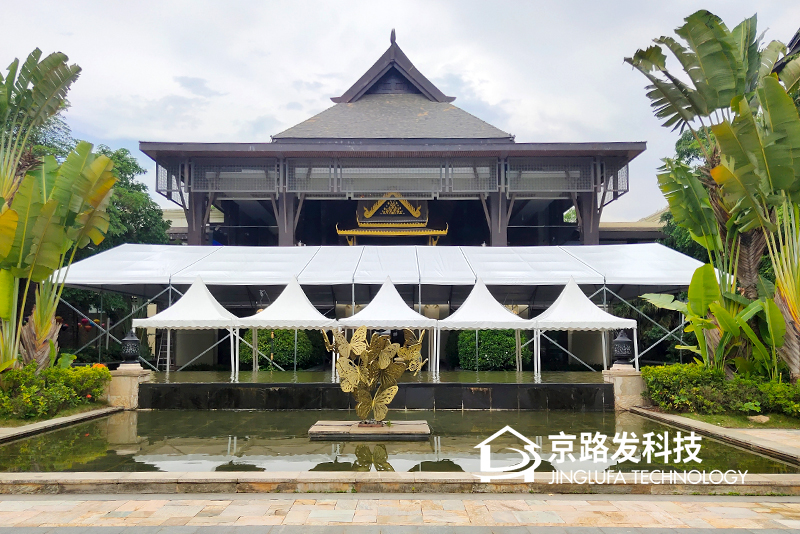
(392, 37)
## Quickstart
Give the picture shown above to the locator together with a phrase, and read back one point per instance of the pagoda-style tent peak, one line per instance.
(393, 73)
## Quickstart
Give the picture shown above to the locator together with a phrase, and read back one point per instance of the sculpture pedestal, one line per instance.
(628, 386)
(124, 387)
(352, 431)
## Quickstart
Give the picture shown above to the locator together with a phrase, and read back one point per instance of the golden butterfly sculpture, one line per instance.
(370, 371)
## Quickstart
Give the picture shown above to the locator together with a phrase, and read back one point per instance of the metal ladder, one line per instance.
(161, 353)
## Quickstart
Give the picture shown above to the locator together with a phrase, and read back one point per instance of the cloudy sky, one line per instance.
(241, 71)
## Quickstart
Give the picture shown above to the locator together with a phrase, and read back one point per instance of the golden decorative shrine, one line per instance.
(392, 216)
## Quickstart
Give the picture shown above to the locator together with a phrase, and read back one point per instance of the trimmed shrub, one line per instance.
(307, 354)
(497, 350)
(26, 395)
(694, 388)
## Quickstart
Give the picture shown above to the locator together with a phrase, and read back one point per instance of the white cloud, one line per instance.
(240, 70)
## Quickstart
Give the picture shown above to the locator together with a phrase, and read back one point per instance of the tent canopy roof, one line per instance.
(388, 310)
(574, 311)
(290, 310)
(197, 309)
(137, 268)
(481, 311)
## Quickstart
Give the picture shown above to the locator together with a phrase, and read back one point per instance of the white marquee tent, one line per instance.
(388, 310)
(481, 311)
(290, 311)
(574, 311)
(197, 309)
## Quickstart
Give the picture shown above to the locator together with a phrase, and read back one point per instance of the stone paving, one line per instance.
(20, 513)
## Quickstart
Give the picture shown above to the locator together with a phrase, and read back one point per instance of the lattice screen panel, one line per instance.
(473, 175)
(259, 176)
(167, 178)
(547, 175)
(381, 175)
(311, 175)
(616, 171)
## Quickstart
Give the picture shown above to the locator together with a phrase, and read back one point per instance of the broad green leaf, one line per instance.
(666, 302)
(726, 321)
(7, 303)
(703, 290)
(790, 75)
(692, 348)
(775, 323)
(718, 74)
(8, 229)
(769, 56)
(766, 289)
(758, 346)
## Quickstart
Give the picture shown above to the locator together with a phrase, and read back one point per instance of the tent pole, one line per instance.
(636, 347)
(476, 351)
(518, 342)
(295, 350)
(605, 349)
(169, 334)
(230, 331)
(254, 339)
(237, 354)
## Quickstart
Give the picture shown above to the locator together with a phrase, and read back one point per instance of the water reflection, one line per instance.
(278, 441)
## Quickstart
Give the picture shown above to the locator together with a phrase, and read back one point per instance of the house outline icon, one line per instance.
(528, 455)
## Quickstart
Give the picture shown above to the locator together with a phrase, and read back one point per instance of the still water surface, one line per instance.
(278, 441)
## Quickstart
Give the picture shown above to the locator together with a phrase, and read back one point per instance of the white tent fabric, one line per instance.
(197, 309)
(238, 265)
(481, 311)
(387, 310)
(291, 310)
(647, 264)
(574, 311)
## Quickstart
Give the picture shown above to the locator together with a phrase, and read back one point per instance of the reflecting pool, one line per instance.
(466, 377)
(278, 441)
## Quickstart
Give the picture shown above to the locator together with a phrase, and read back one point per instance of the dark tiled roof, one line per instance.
(393, 116)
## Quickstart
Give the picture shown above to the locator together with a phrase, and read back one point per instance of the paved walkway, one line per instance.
(778, 443)
(166, 513)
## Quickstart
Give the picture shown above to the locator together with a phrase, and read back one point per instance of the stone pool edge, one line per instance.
(730, 436)
(373, 482)
(20, 432)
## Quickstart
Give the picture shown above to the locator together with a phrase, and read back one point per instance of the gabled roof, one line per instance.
(393, 100)
(393, 116)
(393, 58)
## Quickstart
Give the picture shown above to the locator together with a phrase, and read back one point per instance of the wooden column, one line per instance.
(195, 219)
(287, 214)
(498, 212)
(588, 218)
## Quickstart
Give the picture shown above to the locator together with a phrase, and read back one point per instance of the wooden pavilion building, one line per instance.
(393, 162)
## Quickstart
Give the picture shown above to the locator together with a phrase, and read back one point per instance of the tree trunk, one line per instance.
(751, 250)
(790, 351)
(34, 350)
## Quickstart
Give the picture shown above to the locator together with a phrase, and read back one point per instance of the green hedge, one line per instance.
(26, 395)
(694, 388)
(310, 348)
(497, 350)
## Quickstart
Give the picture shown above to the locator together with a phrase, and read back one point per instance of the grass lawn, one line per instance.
(741, 420)
(9, 422)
